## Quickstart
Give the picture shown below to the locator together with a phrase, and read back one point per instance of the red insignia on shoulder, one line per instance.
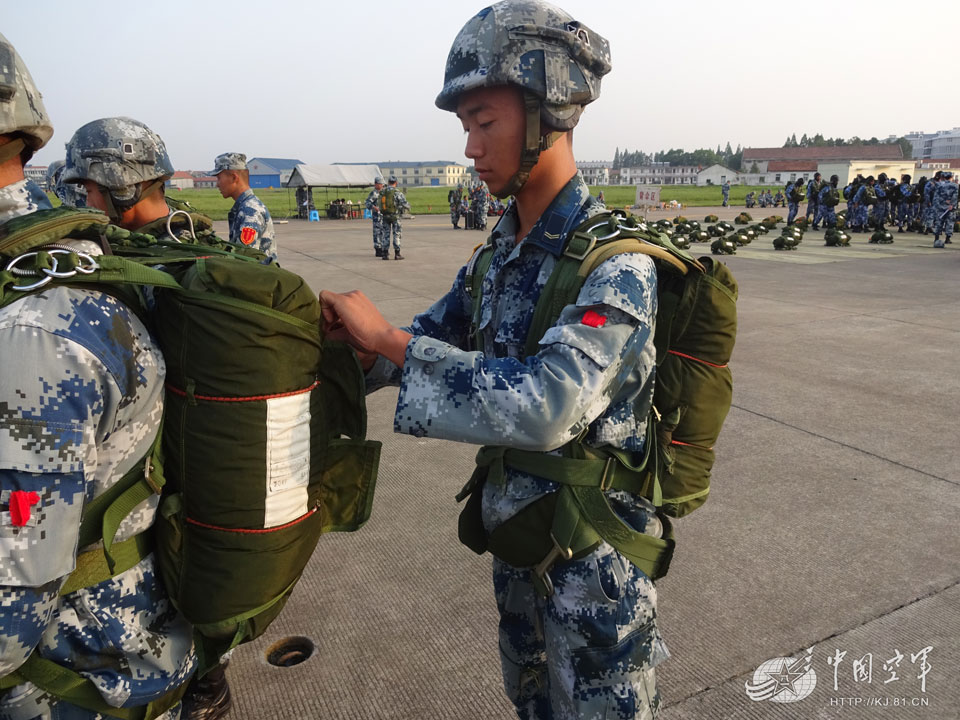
(594, 319)
(248, 235)
(20, 503)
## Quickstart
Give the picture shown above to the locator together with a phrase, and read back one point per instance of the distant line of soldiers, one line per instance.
(766, 198)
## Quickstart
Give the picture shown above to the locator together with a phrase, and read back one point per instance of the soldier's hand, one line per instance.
(353, 318)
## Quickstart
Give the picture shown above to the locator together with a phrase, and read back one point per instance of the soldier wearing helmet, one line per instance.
(372, 204)
(944, 208)
(250, 221)
(69, 193)
(392, 205)
(81, 384)
(578, 635)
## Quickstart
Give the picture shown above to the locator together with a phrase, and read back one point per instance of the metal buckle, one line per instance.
(607, 475)
(541, 577)
(147, 467)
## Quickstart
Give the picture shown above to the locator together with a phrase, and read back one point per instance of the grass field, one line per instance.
(433, 200)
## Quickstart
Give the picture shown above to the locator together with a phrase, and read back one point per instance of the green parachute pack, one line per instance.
(388, 203)
(696, 329)
(263, 445)
(832, 198)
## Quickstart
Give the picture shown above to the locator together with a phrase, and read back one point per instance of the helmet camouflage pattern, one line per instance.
(555, 60)
(537, 47)
(118, 154)
(21, 105)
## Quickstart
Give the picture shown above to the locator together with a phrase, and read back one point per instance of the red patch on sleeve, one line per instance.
(594, 319)
(20, 503)
(248, 235)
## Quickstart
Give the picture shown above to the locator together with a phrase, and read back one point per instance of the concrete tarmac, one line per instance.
(831, 529)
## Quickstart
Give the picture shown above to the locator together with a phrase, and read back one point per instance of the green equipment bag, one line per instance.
(694, 338)
(263, 442)
(832, 198)
(388, 203)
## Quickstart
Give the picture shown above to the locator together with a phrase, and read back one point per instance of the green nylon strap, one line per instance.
(11, 149)
(650, 554)
(480, 269)
(561, 289)
(92, 566)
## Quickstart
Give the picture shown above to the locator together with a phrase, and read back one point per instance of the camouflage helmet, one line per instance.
(54, 171)
(119, 154)
(21, 106)
(555, 60)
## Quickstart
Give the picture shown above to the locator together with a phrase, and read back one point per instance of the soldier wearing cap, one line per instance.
(81, 387)
(250, 221)
(372, 204)
(578, 636)
(392, 205)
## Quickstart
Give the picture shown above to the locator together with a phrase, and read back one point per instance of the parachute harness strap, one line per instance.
(46, 266)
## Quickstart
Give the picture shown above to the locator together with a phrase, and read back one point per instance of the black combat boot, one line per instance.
(208, 698)
(397, 255)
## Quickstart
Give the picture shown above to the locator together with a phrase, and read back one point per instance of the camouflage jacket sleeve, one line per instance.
(402, 202)
(80, 400)
(448, 319)
(598, 345)
(371, 201)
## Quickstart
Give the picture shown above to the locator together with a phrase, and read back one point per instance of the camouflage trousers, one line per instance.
(943, 221)
(391, 228)
(813, 209)
(827, 216)
(928, 217)
(480, 215)
(587, 651)
(880, 212)
(794, 209)
(455, 215)
(377, 231)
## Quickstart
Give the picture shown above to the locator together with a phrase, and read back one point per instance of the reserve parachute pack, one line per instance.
(832, 198)
(695, 333)
(388, 203)
(262, 448)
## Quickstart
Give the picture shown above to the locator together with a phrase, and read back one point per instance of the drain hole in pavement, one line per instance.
(290, 651)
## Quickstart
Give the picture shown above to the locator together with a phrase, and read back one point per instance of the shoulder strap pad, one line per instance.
(26, 232)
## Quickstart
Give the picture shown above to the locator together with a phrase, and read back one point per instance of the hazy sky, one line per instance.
(355, 81)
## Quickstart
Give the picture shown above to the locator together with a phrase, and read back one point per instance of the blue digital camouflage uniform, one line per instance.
(480, 207)
(251, 225)
(590, 649)
(372, 204)
(825, 212)
(453, 197)
(929, 190)
(391, 224)
(793, 205)
(944, 210)
(813, 207)
(903, 194)
(81, 396)
(860, 201)
(725, 191)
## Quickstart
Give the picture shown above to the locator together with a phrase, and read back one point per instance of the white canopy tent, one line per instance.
(333, 176)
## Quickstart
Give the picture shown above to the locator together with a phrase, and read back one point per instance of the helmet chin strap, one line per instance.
(116, 209)
(11, 149)
(533, 145)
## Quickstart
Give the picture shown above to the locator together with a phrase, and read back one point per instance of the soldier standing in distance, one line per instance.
(518, 97)
(944, 208)
(794, 198)
(372, 204)
(813, 193)
(81, 399)
(453, 198)
(250, 221)
(392, 204)
(725, 191)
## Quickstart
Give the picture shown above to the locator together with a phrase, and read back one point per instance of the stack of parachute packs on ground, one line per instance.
(263, 443)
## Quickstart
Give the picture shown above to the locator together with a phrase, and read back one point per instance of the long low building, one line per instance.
(778, 166)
